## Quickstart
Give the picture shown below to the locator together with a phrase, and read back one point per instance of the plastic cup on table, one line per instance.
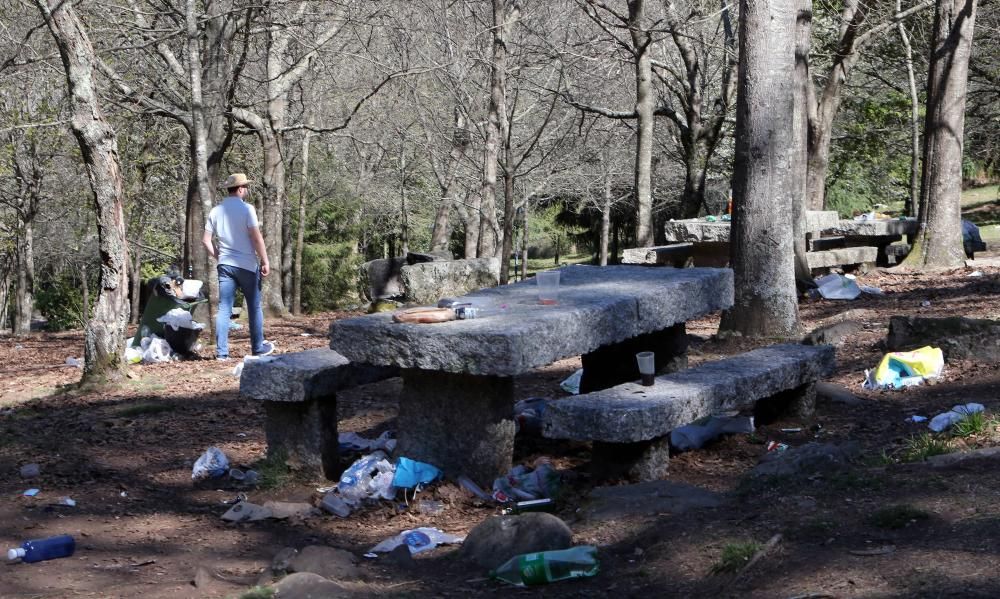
(647, 367)
(548, 287)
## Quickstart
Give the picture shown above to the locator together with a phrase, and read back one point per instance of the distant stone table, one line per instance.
(457, 401)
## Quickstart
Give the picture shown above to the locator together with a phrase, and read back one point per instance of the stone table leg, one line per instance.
(463, 424)
(305, 433)
(614, 364)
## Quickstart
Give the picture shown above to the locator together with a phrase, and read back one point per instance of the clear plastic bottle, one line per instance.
(548, 566)
(42, 549)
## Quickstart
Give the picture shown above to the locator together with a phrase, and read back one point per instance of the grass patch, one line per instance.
(895, 517)
(274, 472)
(921, 447)
(973, 424)
(258, 593)
(144, 409)
(735, 556)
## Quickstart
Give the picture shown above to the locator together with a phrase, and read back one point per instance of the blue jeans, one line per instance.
(249, 282)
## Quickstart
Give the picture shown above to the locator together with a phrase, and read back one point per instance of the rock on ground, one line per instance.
(807, 459)
(500, 538)
(334, 564)
(306, 585)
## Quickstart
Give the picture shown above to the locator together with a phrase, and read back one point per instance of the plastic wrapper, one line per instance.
(417, 540)
(212, 464)
(368, 478)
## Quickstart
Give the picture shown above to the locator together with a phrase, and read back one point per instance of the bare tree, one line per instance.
(939, 239)
(761, 254)
(104, 335)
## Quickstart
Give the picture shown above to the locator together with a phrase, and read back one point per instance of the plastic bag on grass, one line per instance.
(944, 421)
(212, 464)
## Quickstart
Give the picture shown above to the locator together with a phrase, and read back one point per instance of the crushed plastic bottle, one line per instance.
(548, 566)
(43, 549)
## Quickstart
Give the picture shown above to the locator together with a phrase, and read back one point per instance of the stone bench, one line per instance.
(842, 257)
(630, 424)
(298, 391)
(675, 255)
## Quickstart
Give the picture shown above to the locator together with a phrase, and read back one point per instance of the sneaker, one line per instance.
(221, 358)
(266, 348)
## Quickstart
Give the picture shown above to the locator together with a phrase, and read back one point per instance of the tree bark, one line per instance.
(496, 127)
(24, 298)
(104, 333)
(800, 137)
(913, 201)
(761, 241)
(939, 240)
(300, 231)
(605, 218)
(644, 105)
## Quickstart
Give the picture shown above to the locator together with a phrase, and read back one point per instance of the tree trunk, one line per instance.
(24, 298)
(800, 139)
(495, 126)
(459, 143)
(913, 201)
(644, 105)
(104, 334)
(761, 240)
(300, 232)
(939, 239)
(605, 218)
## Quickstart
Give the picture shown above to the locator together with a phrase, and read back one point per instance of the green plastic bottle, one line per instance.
(548, 566)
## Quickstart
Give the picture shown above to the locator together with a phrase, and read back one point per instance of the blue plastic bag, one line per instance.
(212, 464)
(410, 473)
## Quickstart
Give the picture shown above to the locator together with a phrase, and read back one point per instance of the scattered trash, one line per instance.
(335, 504)
(710, 219)
(250, 477)
(916, 418)
(31, 492)
(524, 483)
(870, 290)
(74, 362)
(67, 501)
(212, 464)
(834, 286)
(38, 550)
(368, 477)
(925, 304)
(775, 446)
(305, 334)
(132, 354)
(572, 383)
(123, 494)
(528, 416)
(179, 318)
(957, 413)
(234, 326)
(18, 346)
(905, 369)
(695, 436)
(417, 540)
(791, 430)
(430, 507)
(353, 442)
(411, 473)
(30, 471)
(975, 273)
(245, 511)
(548, 566)
(531, 505)
(477, 491)
(155, 350)
(239, 497)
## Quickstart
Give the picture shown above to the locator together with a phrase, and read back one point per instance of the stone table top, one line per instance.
(701, 231)
(598, 305)
(874, 228)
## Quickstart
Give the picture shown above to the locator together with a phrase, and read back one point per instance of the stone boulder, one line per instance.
(330, 563)
(306, 585)
(432, 256)
(382, 278)
(500, 538)
(959, 338)
(807, 459)
(427, 282)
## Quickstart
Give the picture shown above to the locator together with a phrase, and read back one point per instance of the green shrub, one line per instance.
(61, 303)
(329, 276)
(735, 556)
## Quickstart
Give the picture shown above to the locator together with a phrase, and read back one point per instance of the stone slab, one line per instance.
(819, 220)
(630, 413)
(662, 255)
(873, 228)
(598, 305)
(646, 499)
(305, 375)
(698, 229)
(427, 282)
(842, 256)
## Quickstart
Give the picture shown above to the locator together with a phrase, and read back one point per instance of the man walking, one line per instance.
(235, 223)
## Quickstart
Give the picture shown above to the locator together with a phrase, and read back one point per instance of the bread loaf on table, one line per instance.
(424, 315)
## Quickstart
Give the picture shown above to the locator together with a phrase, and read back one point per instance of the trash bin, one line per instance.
(162, 299)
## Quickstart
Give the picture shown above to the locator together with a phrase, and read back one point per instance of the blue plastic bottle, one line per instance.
(42, 549)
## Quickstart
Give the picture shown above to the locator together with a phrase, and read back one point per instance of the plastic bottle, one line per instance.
(548, 566)
(42, 549)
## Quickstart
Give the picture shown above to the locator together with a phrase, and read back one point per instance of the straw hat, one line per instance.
(236, 180)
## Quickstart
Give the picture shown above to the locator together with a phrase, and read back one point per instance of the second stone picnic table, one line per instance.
(456, 405)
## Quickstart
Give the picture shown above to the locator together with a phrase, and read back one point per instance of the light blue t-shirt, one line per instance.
(231, 222)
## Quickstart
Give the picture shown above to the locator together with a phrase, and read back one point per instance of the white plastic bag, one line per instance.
(417, 540)
(213, 463)
(155, 349)
(179, 318)
(572, 383)
(368, 478)
(834, 286)
(960, 412)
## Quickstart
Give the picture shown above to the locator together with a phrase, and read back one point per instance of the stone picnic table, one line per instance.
(456, 404)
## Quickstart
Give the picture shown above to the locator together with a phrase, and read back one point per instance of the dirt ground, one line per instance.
(143, 528)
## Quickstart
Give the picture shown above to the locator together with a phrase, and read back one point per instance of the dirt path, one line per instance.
(143, 529)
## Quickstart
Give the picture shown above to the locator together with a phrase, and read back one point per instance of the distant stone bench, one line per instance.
(300, 403)
(848, 256)
(630, 424)
(675, 255)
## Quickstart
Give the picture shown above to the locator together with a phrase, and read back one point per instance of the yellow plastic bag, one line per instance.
(925, 362)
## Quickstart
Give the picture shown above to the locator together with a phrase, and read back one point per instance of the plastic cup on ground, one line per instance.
(548, 287)
(647, 367)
